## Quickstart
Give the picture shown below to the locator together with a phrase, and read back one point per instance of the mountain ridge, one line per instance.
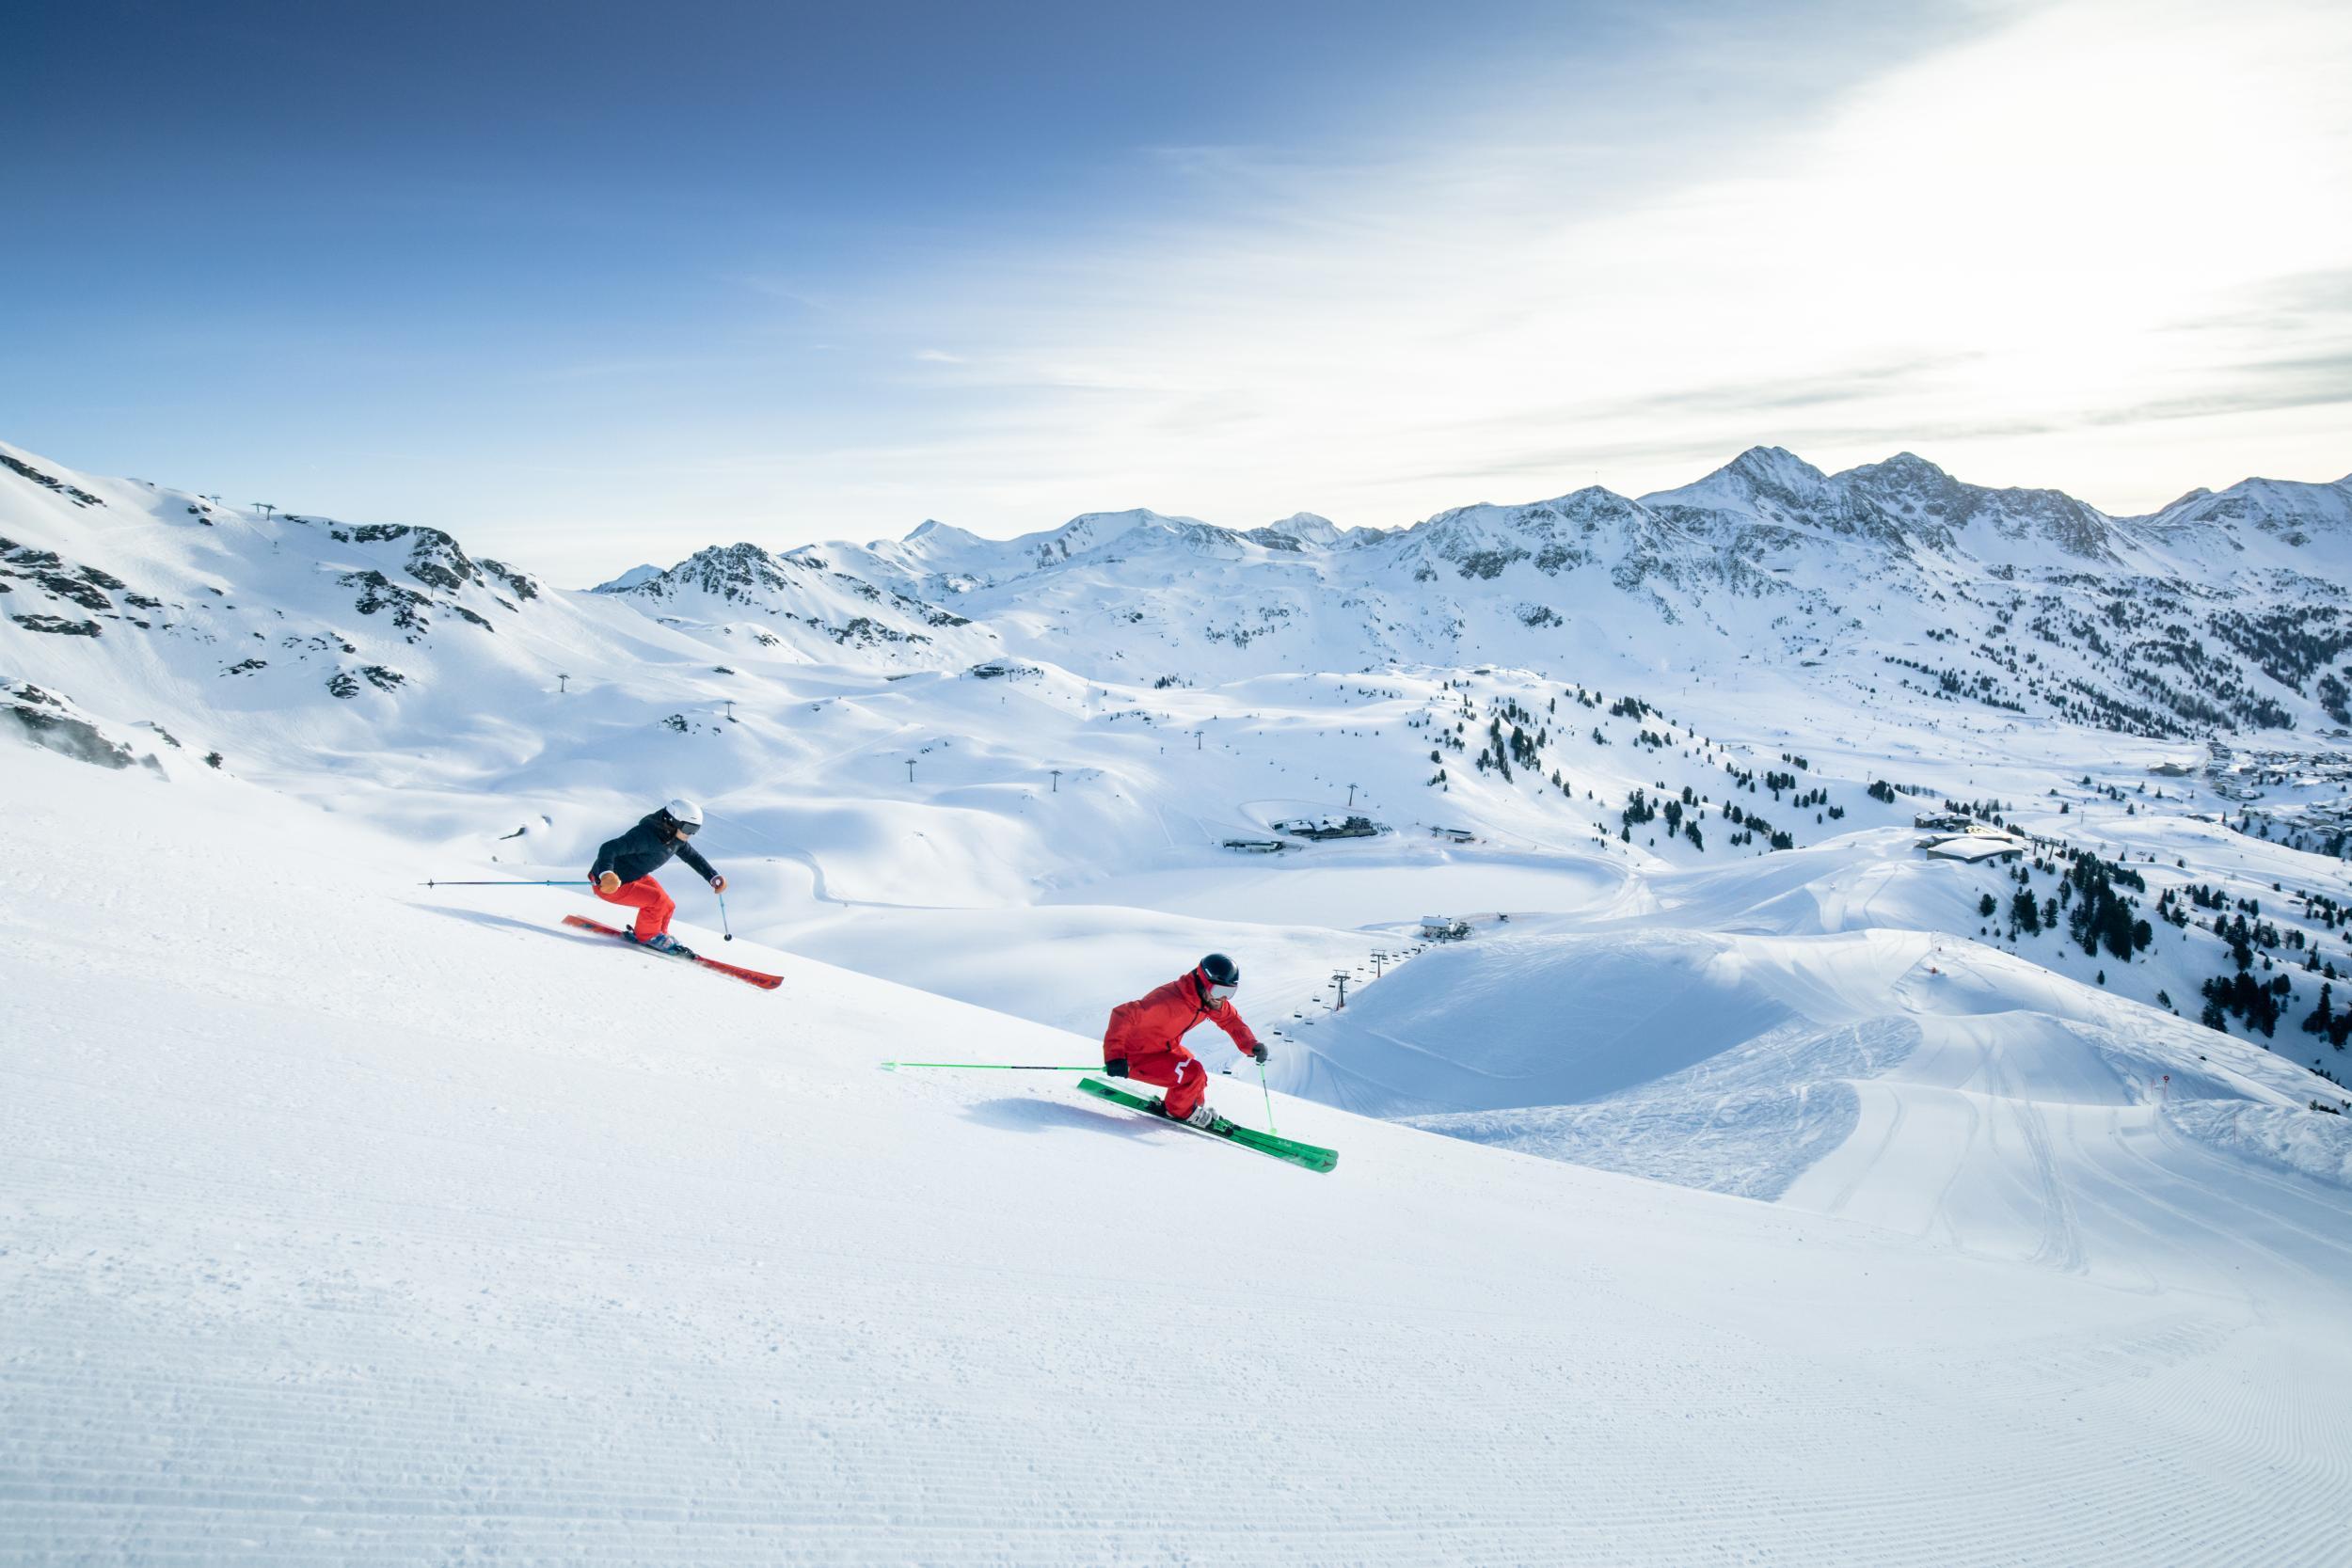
(1906, 486)
(2218, 615)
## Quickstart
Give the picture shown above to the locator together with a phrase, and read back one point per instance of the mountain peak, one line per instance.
(1904, 468)
(930, 530)
(1775, 466)
(629, 579)
(1132, 517)
(1772, 475)
(1300, 528)
(1091, 530)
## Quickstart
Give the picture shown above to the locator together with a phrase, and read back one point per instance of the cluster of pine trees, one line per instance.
(2332, 1026)
(2333, 697)
(2241, 995)
(2100, 916)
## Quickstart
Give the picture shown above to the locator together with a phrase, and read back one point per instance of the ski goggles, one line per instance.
(1218, 993)
(688, 829)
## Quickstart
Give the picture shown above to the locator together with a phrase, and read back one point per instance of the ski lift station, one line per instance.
(1974, 849)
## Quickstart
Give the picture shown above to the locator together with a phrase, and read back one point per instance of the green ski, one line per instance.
(1305, 1155)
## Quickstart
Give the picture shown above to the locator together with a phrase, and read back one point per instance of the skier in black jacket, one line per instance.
(625, 866)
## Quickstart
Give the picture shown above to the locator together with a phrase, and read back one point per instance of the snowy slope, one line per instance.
(2260, 525)
(288, 643)
(488, 1239)
(1924, 1083)
(346, 1220)
(393, 676)
(798, 602)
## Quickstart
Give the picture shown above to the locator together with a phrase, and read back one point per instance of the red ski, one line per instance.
(749, 977)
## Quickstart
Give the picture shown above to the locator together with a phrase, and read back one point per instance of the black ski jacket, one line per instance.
(643, 850)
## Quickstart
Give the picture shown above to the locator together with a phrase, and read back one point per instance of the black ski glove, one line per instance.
(1258, 1052)
(1115, 1067)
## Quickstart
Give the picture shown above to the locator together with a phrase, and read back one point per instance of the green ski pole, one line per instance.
(992, 1066)
(1269, 1098)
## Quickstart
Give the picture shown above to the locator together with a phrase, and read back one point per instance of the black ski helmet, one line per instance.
(1219, 969)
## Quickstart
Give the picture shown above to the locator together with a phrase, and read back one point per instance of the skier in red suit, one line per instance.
(1145, 1040)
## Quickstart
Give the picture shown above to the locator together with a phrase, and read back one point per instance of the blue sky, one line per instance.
(589, 283)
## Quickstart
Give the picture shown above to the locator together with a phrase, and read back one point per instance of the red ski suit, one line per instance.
(649, 899)
(1149, 1032)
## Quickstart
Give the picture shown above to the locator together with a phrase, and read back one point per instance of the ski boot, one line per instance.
(1203, 1117)
(666, 943)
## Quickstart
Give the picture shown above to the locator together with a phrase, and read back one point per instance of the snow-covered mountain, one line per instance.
(2027, 600)
(797, 601)
(1889, 595)
(1742, 667)
(631, 578)
(2221, 612)
(2258, 526)
(1885, 856)
(1906, 507)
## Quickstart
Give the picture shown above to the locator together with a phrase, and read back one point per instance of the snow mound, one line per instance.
(1916, 1082)
(1506, 1022)
(2318, 1146)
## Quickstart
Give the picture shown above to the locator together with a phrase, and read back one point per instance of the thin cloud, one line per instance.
(1989, 244)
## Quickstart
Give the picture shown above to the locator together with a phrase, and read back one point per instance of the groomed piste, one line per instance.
(350, 1221)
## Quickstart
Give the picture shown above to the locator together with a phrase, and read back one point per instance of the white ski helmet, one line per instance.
(688, 815)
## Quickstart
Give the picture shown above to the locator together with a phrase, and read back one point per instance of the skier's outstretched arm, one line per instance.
(694, 857)
(1229, 1018)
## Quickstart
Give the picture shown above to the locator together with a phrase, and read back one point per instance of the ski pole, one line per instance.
(1269, 1099)
(545, 882)
(992, 1066)
(723, 915)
